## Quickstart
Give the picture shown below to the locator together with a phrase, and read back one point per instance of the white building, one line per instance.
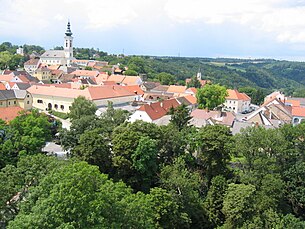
(237, 102)
(60, 57)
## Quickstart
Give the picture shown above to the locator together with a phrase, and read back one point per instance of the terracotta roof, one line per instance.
(136, 89)
(192, 89)
(9, 113)
(154, 111)
(162, 88)
(32, 62)
(298, 111)
(57, 91)
(6, 78)
(169, 103)
(85, 73)
(24, 79)
(219, 117)
(105, 92)
(294, 103)
(53, 67)
(159, 109)
(234, 94)
(2, 86)
(121, 79)
(191, 99)
(176, 89)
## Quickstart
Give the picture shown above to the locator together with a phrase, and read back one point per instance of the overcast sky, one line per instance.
(203, 28)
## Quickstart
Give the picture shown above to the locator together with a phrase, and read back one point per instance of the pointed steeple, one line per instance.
(199, 74)
(68, 31)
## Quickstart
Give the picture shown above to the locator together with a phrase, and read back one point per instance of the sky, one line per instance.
(197, 28)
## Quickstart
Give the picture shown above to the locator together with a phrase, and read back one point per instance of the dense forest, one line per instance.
(140, 175)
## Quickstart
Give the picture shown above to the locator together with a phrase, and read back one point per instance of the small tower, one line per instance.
(68, 45)
(199, 74)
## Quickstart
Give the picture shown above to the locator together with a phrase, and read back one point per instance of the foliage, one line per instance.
(211, 96)
(166, 78)
(82, 107)
(214, 200)
(213, 145)
(186, 187)
(79, 196)
(180, 116)
(238, 204)
(130, 73)
(194, 82)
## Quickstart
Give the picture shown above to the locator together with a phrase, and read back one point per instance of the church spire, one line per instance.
(68, 31)
(199, 74)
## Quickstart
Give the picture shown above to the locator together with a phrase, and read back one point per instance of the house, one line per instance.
(177, 90)
(237, 102)
(12, 98)
(153, 111)
(19, 86)
(147, 86)
(61, 99)
(271, 113)
(275, 95)
(298, 115)
(205, 117)
(9, 113)
(43, 73)
(31, 65)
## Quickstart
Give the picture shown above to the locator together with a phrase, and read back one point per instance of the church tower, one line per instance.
(68, 45)
(199, 77)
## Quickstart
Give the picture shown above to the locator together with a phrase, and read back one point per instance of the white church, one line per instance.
(60, 57)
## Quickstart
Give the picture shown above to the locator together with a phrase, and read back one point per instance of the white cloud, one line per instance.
(283, 18)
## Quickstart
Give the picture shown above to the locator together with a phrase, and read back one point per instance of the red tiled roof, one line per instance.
(9, 113)
(107, 91)
(136, 89)
(234, 94)
(2, 86)
(85, 73)
(176, 89)
(294, 103)
(159, 109)
(191, 99)
(298, 111)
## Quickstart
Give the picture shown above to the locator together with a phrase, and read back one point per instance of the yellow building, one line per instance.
(16, 98)
(61, 99)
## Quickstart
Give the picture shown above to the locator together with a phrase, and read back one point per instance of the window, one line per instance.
(14, 102)
(28, 96)
(62, 107)
(28, 102)
(56, 106)
(295, 120)
(1, 103)
(39, 101)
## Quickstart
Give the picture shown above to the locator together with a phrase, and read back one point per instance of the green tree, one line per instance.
(166, 210)
(180, 116)
(211, 96)
(194, 82)
(186, 187)
(78, 196)
(82, 107)
(166, 78)
(94, 148)
(213, 144)
(125, 140)
(214, 200)
(130, 73)
(238, 204)
(15, 181)
(295, 191)
(144, 161)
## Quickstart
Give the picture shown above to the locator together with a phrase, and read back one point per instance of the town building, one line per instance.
(237, 102)
(60, 57)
